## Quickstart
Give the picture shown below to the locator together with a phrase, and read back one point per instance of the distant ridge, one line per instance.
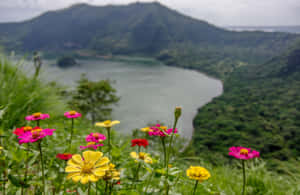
(148, 29)
(287, 29)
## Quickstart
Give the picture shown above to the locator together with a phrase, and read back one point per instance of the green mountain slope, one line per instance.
(260, 108)
(140, 28)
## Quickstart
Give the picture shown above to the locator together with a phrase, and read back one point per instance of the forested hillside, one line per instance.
(260, 108)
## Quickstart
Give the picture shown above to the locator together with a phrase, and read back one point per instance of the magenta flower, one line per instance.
(243, 153)
(92, 145)
(34, 135)
(37, 116)
(95, 137)
(162, 131)
(72, 114)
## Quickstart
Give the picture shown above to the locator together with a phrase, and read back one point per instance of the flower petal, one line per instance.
(90, 156)
(102, 162)
(93, 178)
(134, 155)
(73, 163)
(71, 169)
(84, 179)
(77, 158)
(114, 122)
(76, 178)
(100, 124)
(71, 175)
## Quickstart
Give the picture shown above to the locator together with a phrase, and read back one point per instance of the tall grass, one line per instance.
(21, 95)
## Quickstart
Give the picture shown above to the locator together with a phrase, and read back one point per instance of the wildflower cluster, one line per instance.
(98, 161)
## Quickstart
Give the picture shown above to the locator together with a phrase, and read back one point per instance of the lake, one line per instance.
(149, 91)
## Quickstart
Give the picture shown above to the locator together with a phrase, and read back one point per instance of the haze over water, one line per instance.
(149, 92)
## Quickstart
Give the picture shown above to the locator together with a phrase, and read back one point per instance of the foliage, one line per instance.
(260, 108)
(94, 99)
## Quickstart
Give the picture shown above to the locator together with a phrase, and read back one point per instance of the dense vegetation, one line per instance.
(29, 95)
(260, 108)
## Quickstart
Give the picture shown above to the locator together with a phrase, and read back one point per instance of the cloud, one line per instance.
(220, 12)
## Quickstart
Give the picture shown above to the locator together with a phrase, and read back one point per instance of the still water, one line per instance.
(149, 91)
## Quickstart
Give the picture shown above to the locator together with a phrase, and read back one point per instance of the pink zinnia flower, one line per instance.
(92, 145)
(37, 116)
(34, 135)
(72, 114)
(243, 153)
(95, 137)
(20, 131)
(159, 130)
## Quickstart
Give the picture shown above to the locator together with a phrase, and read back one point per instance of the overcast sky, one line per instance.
(218, 12)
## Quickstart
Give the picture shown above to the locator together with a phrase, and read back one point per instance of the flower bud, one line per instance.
(177, 112)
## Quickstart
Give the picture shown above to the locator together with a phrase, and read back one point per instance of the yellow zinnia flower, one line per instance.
(112, 173)
(142, 156)
(146, 129)
(107, 123)
(197, 173)
(89, 168)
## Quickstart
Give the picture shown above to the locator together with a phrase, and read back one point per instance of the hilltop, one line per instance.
(150, 29)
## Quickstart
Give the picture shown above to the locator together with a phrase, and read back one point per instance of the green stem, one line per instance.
(244, 177)
(106, 186)
(38, 123)
(136, 178)
(72, 128)
(89, 188)
(168, 155)
(110, 188)
(109, 144)
(195, 188)
(148, 182)
(26, 169)
(96, 188)
(170, 144)
(164, 150)
(43, 174)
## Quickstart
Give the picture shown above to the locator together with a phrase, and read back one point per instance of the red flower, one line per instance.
(118, 182)
(139, 142)
(64, 156)
(20, 131)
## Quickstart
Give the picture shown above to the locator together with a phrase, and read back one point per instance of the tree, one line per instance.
(94, 99)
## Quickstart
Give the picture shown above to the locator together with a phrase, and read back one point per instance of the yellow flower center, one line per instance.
(90, 143)
(72, 112)
(37, 114)
(87, 167)
(96, 135)
(107, 122)
(244, 151)
(27, 128)
(142, 155)
(164, 128)
(36, 133)
(36, 130)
